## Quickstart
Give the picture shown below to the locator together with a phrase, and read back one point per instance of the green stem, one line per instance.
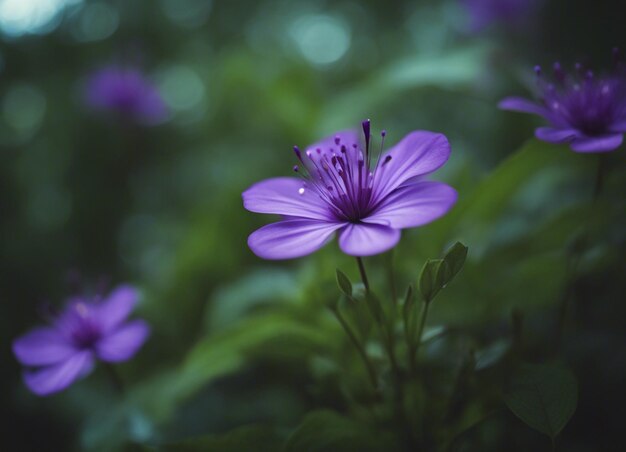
(366, 283)
(420, 333)
(566, 300)
(114, 378)
(392, 279)
(359, 347)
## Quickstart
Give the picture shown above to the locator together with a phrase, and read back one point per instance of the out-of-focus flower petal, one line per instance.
(619, 126)
(523, 105)
(125, 91)
(418, 153)
(414, 205)
(605, 143)
(291, 238)
(116, 307)
(367, 239)
(57, 377)
(285, 196)
(123, 343)
(42, 346)
(556, 135)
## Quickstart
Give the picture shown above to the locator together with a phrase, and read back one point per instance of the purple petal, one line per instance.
(285, 196)
(418, 153)
(603, 143)
(59, 376)
(367, 239)
(124, 342)
(556, 135)
(291, 238)
(42, 346)
(619, 126)
(414, 205)
(117, 307)
(523, 105)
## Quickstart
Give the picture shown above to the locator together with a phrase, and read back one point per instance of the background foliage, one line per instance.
(245, 351)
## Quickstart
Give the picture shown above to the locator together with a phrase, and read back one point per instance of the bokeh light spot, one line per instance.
(20, 17)
(23, 108)
(181, 87)
(187, 13)
(95, 22)
(322, 39)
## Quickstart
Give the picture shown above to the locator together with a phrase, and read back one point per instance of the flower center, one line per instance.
(583, 101)
(342, 177)
(85, 332)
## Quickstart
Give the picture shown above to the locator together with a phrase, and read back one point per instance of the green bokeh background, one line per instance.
(88, 202)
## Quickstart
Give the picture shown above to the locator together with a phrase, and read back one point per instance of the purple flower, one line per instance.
(586, 111)
(127, 92)
(341, 191)
(483, 13)
(85, 331)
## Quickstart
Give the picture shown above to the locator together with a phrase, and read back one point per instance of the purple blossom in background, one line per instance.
(88, 329)
(586, 111)
(127, 92)
(341, 191)
(483, 13)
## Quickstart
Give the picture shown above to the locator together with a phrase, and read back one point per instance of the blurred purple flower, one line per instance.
(127, 92)
(483, 13)
(85, 331)
(586, 111)
(342, 192)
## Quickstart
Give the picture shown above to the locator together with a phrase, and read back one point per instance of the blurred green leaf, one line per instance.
(326, 431)
(260, 287)
(490, 355)
(344, 283)
(228, 351)
(478, 217)
(544, 397)
(448, 71)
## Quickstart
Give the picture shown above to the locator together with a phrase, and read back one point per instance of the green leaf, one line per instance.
(490, 355)
(326, 431)
(344, 283)
(274, 334)
(544, 397)
(430, 284)
(253, 437)
(533, 172)
(453, 263)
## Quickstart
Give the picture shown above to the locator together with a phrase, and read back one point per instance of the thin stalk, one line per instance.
(366, 283)
(359, 347)
(564, 305)
(114, 378)
(392, 279)
(420, 333)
